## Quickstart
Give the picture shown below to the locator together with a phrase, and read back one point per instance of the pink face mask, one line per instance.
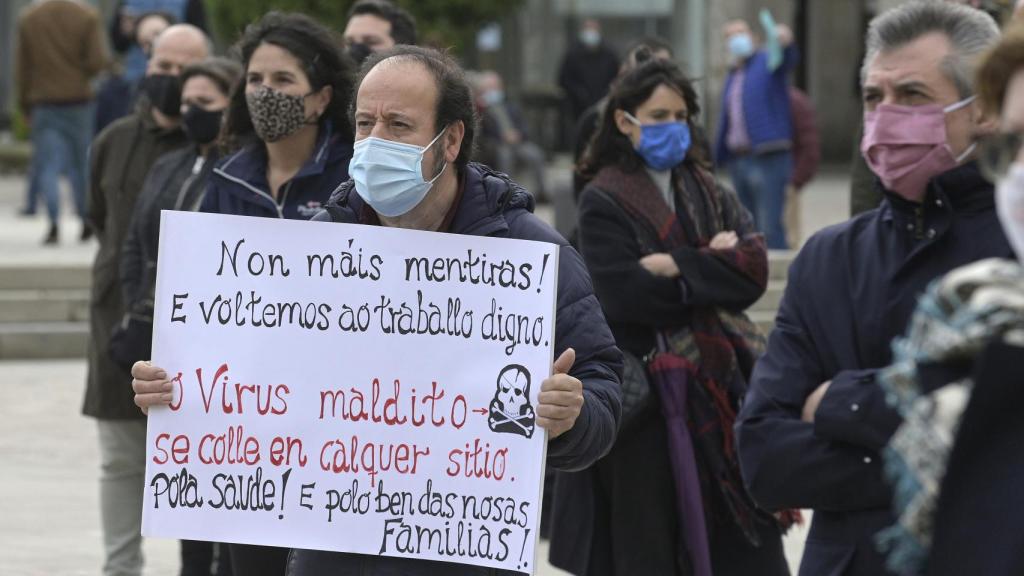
(906, 146)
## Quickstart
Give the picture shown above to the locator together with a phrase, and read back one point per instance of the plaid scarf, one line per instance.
(955, 319)
(701, 369)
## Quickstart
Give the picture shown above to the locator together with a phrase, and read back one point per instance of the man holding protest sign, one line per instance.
(414, 132)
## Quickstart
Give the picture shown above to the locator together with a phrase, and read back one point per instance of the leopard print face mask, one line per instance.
(275, 115)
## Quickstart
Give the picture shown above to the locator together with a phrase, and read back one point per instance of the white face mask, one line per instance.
(1010, 207)
(590, 37)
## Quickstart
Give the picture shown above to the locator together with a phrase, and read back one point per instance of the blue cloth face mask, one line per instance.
(663, 145)
(389, 175)
(741, 46)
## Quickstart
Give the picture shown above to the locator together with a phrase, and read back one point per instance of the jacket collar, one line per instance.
(960, 190)
(250, 163)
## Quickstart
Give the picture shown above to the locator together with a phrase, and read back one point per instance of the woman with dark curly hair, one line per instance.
(675, 260)
(287, 123)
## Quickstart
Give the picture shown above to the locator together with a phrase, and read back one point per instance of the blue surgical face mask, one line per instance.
(662, 146)
(741, 46)
(389, 175)
(494, 97)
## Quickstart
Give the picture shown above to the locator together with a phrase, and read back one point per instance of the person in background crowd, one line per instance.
(674, 257)
(418, 99)
(815, 420)
(375, 26)
(116, 95)
(124, 28)
(959, 506)
(504, 134)
(587, 125)
(587, 70)
(120, 158)
(755, 130)
(591, 117)
(59, 51)
(288, 124)
(806, 155)
(177, 181)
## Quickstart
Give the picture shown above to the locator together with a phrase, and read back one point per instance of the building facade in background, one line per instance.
(527, 47)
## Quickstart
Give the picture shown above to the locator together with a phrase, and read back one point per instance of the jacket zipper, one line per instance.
(919, 223)
(239, 181)
(284, 198)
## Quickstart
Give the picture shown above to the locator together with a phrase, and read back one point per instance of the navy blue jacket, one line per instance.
(239, 182)
(766, 106)
(493, 205)
(851, 290)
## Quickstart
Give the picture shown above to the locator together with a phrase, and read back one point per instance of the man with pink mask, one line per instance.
(815, 420)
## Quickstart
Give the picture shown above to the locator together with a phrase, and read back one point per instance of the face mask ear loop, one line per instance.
(958, 105)
(966, 153)
(427, 147)
(631, 118)
(953, 108)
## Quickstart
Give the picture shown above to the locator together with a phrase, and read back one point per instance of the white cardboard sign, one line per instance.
(350, 388)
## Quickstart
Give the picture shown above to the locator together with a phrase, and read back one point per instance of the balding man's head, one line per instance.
(177, 47)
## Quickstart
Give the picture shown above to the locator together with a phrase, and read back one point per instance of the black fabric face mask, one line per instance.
(164, 92)
(202, 126)
(359, 52)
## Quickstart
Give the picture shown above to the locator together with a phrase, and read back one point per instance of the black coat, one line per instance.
(492, 205)
(619, 518)
(851, 290)
(172, 184)
(977, 522)
(585, 76)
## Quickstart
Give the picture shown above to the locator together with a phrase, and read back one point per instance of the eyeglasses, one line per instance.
(997, 152)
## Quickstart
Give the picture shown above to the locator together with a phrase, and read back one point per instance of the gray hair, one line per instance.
(971, 32)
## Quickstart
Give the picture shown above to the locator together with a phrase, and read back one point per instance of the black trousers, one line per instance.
(249, 560)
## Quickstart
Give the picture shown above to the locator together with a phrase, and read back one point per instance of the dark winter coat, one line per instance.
(585, 76)
(239, 183)
(172, 184)
(851, 290)
(619, 518)
(980, 501)
(492, 205)
(120, 159)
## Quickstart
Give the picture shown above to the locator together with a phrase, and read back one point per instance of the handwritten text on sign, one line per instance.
(350, 388)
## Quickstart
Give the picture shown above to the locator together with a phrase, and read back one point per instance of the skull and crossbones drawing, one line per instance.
(510, 410)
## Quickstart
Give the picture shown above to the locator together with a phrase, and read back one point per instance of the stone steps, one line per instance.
(30, 306)
(46, 277)
(44, 311)
(43, 340)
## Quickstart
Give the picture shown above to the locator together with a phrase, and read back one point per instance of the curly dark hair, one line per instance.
(454, 95)
(316, 47)
(609, 146)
